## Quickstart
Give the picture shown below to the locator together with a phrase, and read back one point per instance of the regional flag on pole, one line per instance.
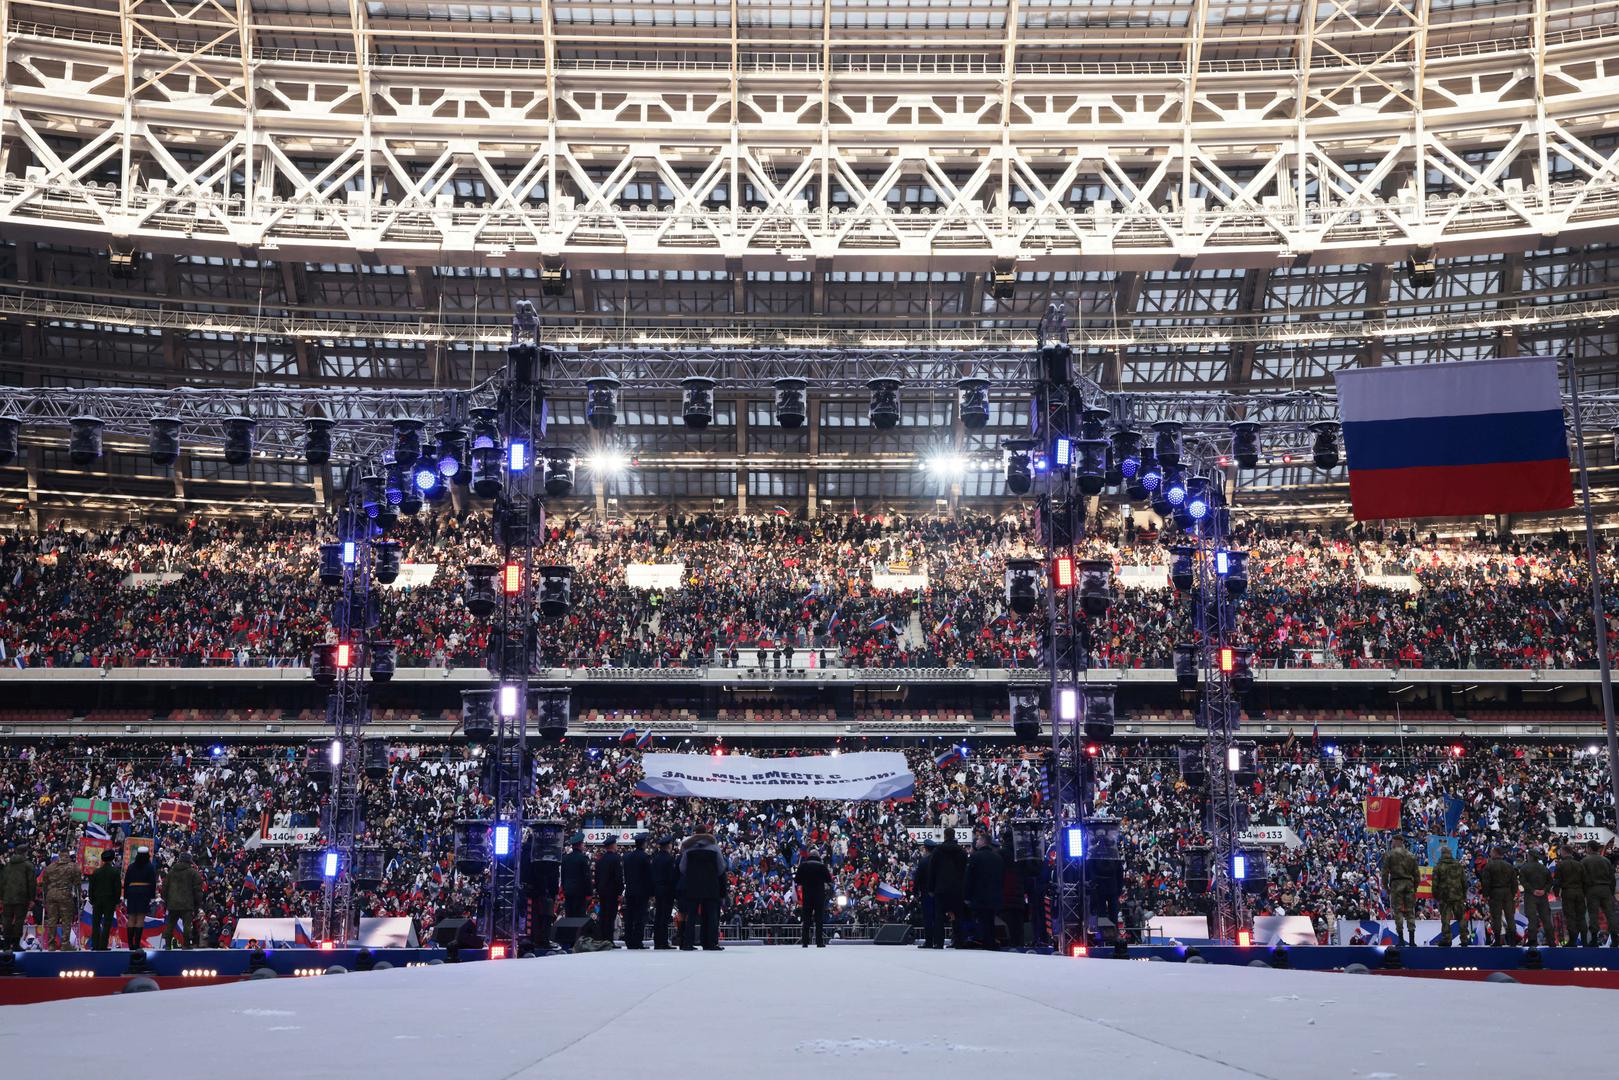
(175, 812)
(118, 812)
(1456, 439)
(91, 810)
(1382, 812)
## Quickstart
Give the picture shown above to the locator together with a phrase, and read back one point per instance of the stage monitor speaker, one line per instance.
(451, 931)
(893, 933)
(565, 932)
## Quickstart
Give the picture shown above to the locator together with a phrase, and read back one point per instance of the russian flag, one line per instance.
(1454, 440)
(885, 891)
(645, 740)
(952, 756)
(628, 735)
(879, 622)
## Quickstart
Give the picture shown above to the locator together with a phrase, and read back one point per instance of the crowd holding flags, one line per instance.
(172, 811)
(952, 756)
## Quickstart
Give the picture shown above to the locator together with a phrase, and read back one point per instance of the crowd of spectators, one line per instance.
(224, 592)
(1511, 793)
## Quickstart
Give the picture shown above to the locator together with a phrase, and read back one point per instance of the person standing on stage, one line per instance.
(541, 879)
(1571, 890)
(665, 883)
(1599, 894)
(1498, 881)
(19, 881)
(814, 883)
(140, 889)
(922, 889)
(702, 887)
(609, 887)
(637, 892)
(182, 899)
(1450, 892)
(949, 878)
(575, 878)
(104, 890)
(62, 881)
(1537, 909)
(1400, 882)
(985, 885)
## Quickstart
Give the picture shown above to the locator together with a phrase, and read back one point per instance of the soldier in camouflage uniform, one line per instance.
(1400, 881)
(1450, 890)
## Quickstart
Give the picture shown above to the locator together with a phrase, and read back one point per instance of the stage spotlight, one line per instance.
(163, 440)
(373, 493)
(792, 402)
(317, 440)
(1002, 279)
(559, 464)
(1186, 665)
(1127, 452)
(1167, 442)
(1199, 497)
(488, 465)
(1421, 269)
(452, 452)
(551, 704)
(485, 428)
(407, 440)
(478, 715)
(323, 663)
(386, 556)
(883, 412)
(1242, 670)
(555, 280)
(1093, 422)
(1092, 467)
(427, 483)
(384, 658)
(556, 590)
(1325, 450)
(1245, 444)
(481, 589)
(1022, 584)
(1023, 704)
(1236, 573)
(10, 432)
(697, 401)
(1095, 587)
(1175, 489)
(972, 402)
(1057, 362)
(1182, 568)
(84, 439)
(1099, 710)
(239, 433)
(1151, 473)
(1019, 465)
(332, 560)
(601, 402)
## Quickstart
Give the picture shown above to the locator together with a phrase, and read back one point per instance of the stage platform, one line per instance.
(898, 1013)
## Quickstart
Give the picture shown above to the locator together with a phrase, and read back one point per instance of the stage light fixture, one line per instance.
(451, 454)
(317, 440)
(373, 493)
(384, 660)
(84, 439)
(555, 280)
(1022, 585)
(517, 456)
(1057, 362)
(1325, 450)
(551, 704)
(478, 715)
(10, 433)
(1186, 666)
(972, 402)
(1167, 442)
(1095, 587)
(1199, 497)
(1242, 670)
(1019, 465)
(1099, 710)
(1093, 422)
(386, 556)
(1062, 452)
(323, 663)
(488, 476)
(511, 578)
(163, 440)
(1421, 269)
(1127, 452)
(396, 481)
(559, 464)
(1245, 444)
(481, 589)
(1151, 472)
(239, 435)
(792, 402)
(1002, 279)
(601, 402)
(343, 657)
(1023, 705)
(1175, 489)
(1236, 573)
(1182, 567)
(883, 412)
(1062, 572)
(1074, 848)
(1092, 467)
(556, 590)
(508, 701)
(1067, 703)
(697, 401)
(331, 564)
(407, 440)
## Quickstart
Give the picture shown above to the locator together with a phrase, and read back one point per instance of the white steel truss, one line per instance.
(1350, 131)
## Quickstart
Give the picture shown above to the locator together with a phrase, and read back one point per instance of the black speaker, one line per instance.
(892, 933)
(454, 932)
(566, 931)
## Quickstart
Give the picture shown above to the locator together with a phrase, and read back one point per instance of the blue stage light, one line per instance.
(330, 864)
(348, 553)
(425, 479)
(1064, 453)
(1175, 493)
(1152, 479)
(1129, 467)
(503, 841)
(1198, 507)
(1222, 563)
(1239, 867)
(1074, 842)
(517, 457)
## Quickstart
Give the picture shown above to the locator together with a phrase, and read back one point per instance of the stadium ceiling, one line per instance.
(1223, 194)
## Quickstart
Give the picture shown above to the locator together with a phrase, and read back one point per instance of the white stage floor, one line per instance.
(774, 1013)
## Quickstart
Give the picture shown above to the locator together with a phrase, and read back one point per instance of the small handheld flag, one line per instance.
(645, 740)
(628, 735)
(889, 893)
(952, 756)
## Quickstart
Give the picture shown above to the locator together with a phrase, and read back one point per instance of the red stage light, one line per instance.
(1081, 951)
(1063, 572)
(497, 952)
(1092, 749)
(1224, 461)
(327, 946)
(344, 654)
(1456, 750)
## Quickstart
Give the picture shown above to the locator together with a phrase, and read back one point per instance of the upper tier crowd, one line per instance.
(247, 593)
(1512, 794)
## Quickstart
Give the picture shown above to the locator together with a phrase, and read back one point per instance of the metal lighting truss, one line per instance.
(348, 711)
(513, 644)
(1343, 130)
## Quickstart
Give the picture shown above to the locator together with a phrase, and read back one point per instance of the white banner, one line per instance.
(281, 834)
(1584, 834)
(135, 581)
(1382, 932)
(898, 582)
(596, 837)
(654, 575)
(1271, 834)
(1166, 928)
(1393, 582)
(1291, 929)
(964, 835)
(874, 775)
(1144, 577)
(414, 575)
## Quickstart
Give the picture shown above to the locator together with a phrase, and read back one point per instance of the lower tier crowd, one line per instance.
(1511, 794)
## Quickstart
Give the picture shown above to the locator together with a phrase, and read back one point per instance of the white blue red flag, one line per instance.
(889, 893)
(1453, 440)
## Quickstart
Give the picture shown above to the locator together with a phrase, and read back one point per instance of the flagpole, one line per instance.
(1599, 620)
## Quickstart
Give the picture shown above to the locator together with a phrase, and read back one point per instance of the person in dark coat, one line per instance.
(922, 889)
(576, 879)
(1012, 894)
(1599, 895)
(140, 889)
(1537, 911)
(949, 882)
(637, 893)
(1498, 881)
(1571, 888)
(19, 884)
(985, 885)
(814, 883)
(665, 882)
(541, 879)
(609, 887)
(105, 888)
(182, 898)
(702, 887)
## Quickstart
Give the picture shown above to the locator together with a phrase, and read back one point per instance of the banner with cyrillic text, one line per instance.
(871, 775)
(1271, 834)
(654, 575)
